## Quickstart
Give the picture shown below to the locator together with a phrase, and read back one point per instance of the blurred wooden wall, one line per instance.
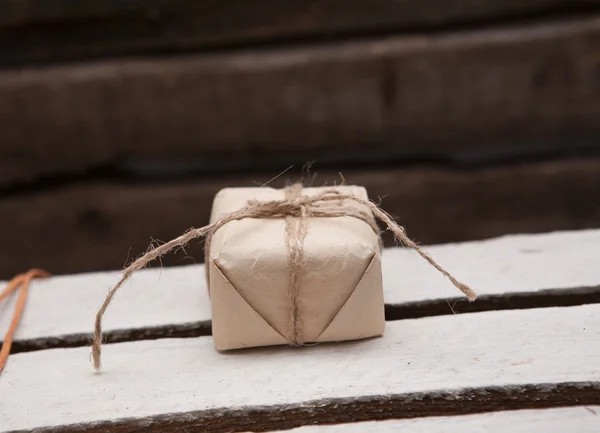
(119, 120)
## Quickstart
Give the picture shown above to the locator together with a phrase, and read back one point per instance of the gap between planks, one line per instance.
(527, 300)
(512, 272)
(214, 26)
(580, 419)
(351, 410)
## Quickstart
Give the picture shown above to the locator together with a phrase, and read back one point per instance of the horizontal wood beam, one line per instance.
(101, 225)
(37, 31)
(446, 365)
(510, 91)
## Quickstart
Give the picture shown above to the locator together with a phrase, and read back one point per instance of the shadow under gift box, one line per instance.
(340, 293)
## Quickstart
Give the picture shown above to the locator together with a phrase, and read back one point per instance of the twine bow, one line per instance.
(296, 210)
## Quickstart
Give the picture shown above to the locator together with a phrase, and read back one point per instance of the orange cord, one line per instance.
(21, 280)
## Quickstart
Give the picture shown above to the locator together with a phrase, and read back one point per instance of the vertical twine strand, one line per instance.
(295, 233)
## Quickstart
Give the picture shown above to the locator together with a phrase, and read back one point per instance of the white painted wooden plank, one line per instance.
(578, 419)
(504, 349)
(514, 264)
(65, 305)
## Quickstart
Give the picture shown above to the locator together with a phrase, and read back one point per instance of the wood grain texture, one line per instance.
(581, 419)
(558, 267)
(503, 91)
(100, 225)
(33, 31)
(441, 365)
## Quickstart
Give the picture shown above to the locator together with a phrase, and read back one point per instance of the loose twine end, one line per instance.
(469, 293)
(20, 281)
(303, 207)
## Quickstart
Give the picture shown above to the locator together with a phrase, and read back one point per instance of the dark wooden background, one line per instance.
(120, 120)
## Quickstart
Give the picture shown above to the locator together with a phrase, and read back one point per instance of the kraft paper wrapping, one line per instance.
(340, 286)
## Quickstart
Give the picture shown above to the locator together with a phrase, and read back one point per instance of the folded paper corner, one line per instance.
(362, 315)
(235, 323)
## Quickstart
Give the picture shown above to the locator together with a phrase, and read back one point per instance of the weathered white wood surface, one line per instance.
(420, 359)
(66, 305)
(580, 419)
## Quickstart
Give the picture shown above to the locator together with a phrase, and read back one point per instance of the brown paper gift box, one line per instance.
(340, 286)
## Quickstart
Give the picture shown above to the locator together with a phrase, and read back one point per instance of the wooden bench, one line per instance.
(527, 360)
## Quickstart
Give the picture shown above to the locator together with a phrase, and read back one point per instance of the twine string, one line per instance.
(20, 281)
(295, 228)
(293, 206)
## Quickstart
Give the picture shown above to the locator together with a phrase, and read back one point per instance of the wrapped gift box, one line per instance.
(339, 288)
